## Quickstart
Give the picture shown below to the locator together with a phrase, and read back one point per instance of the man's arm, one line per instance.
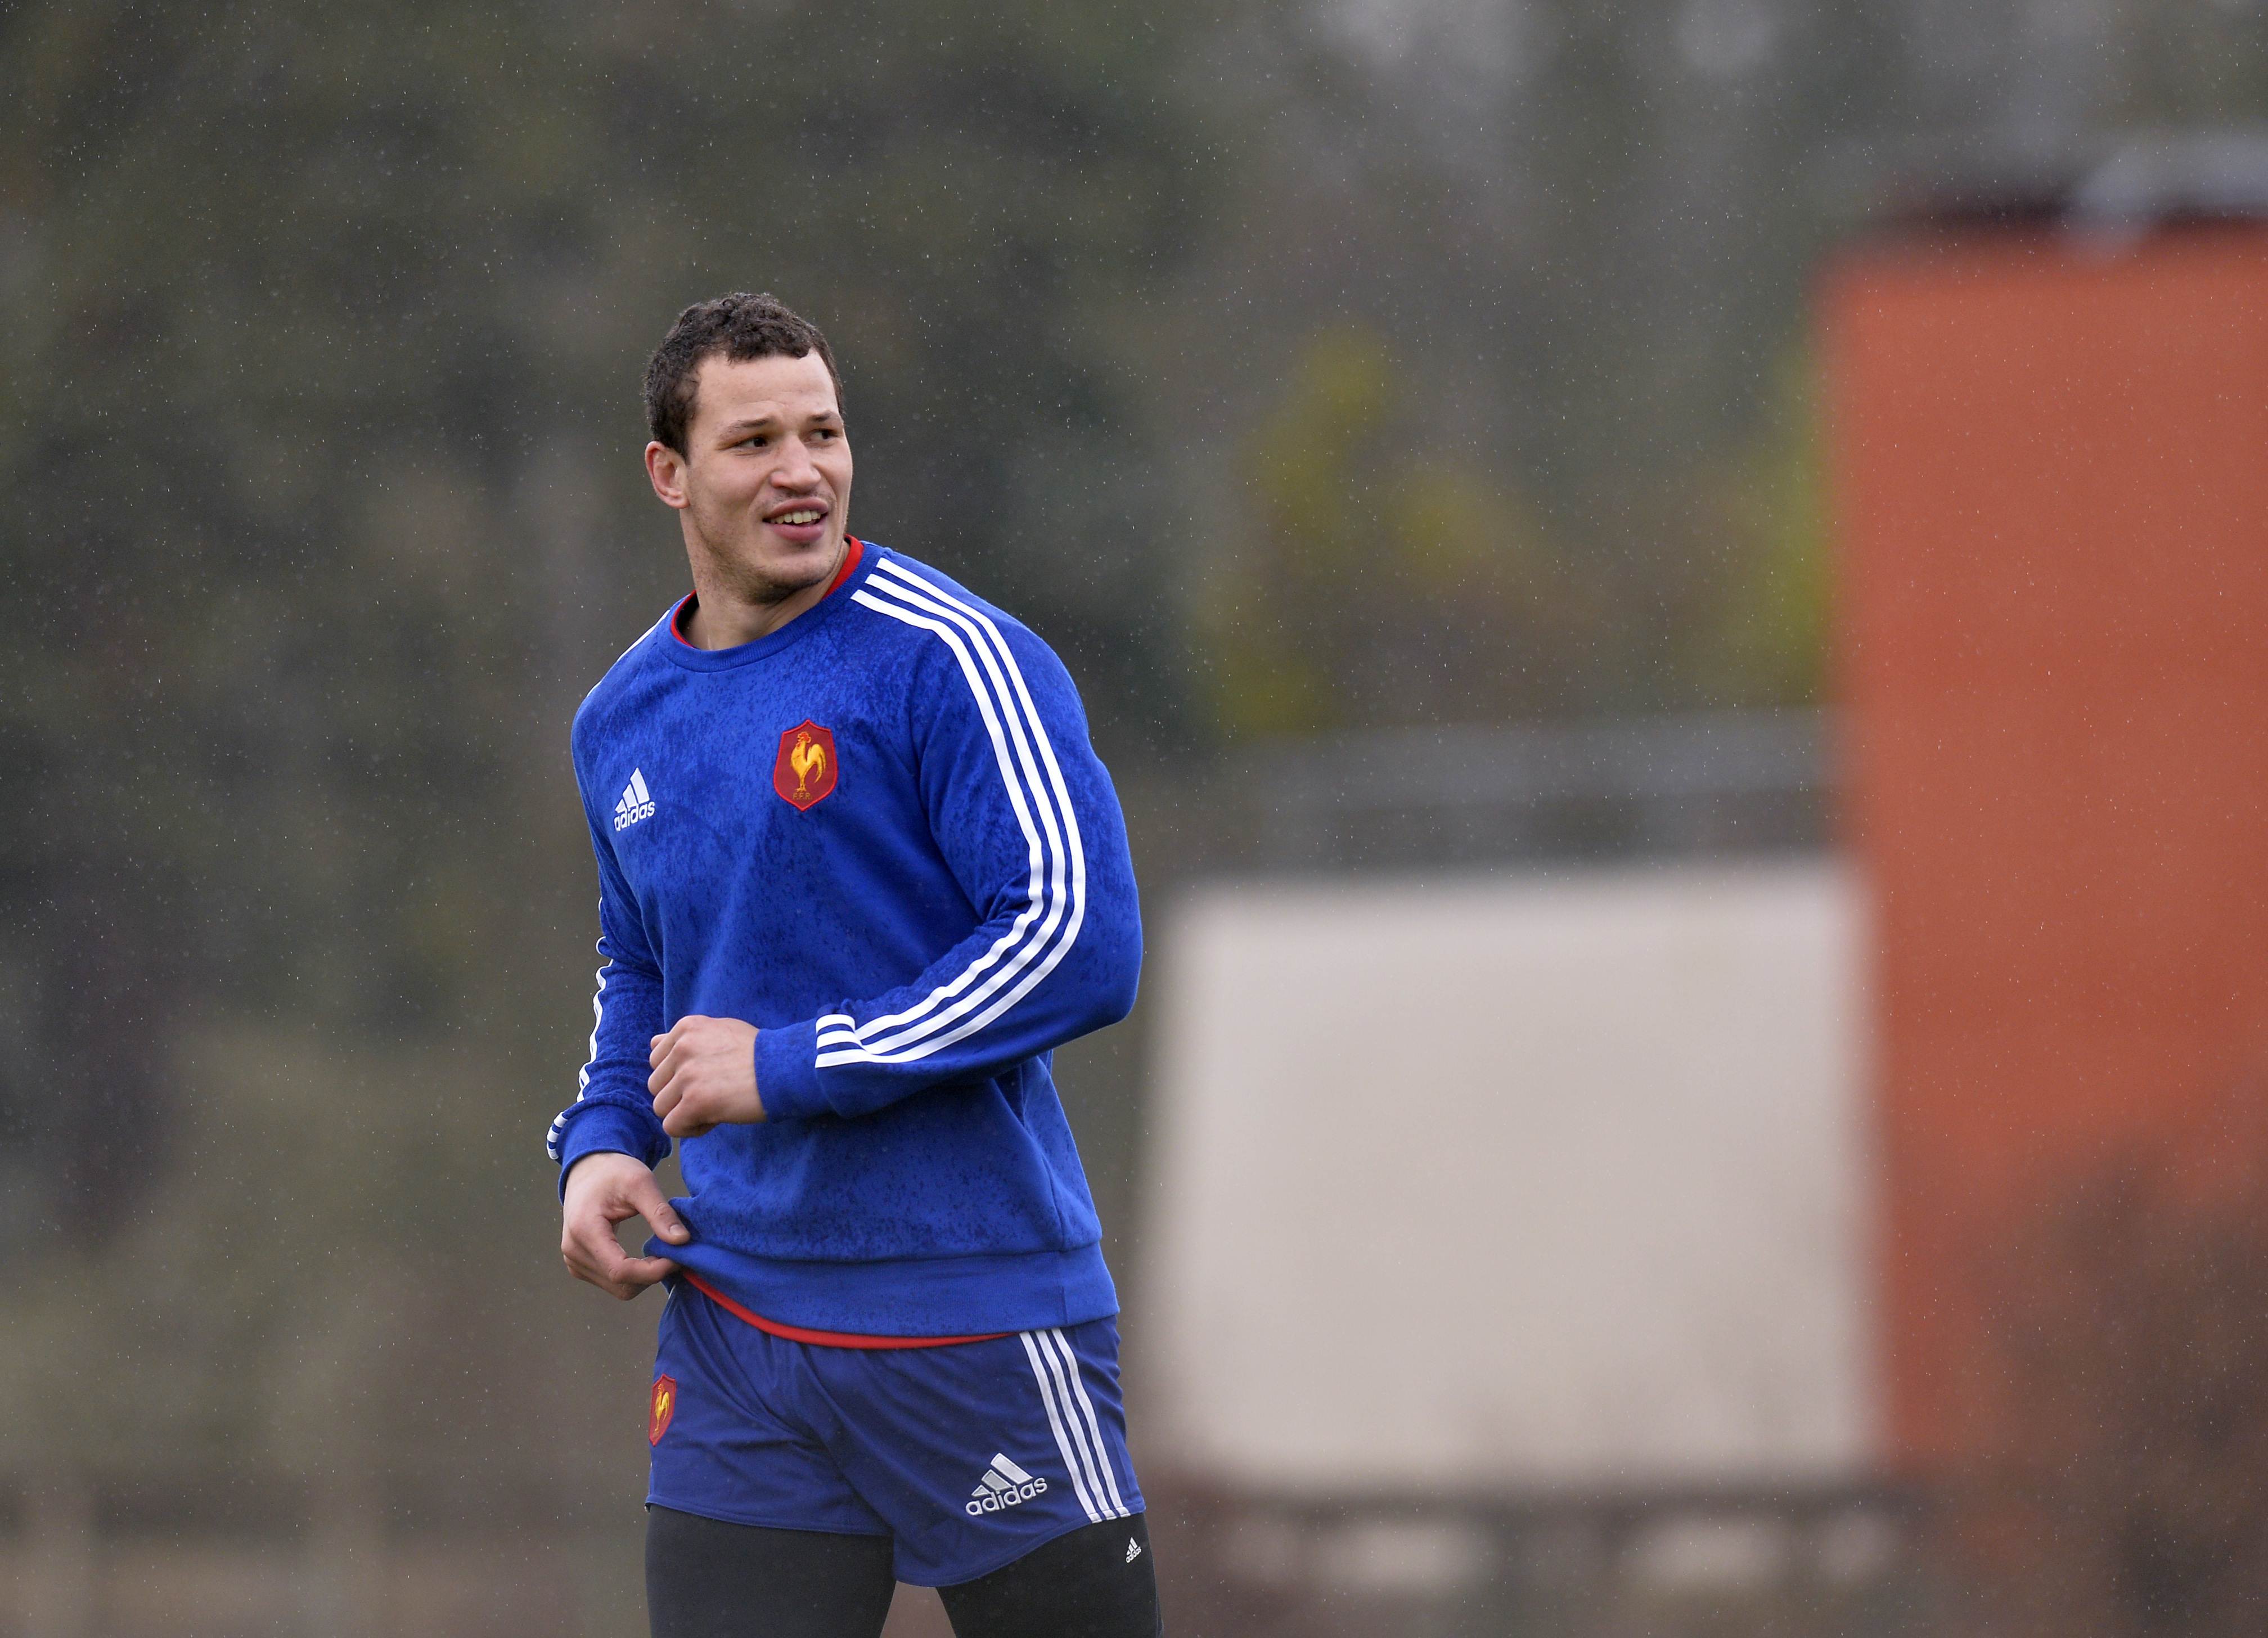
(609, 1140)
(1025, 816)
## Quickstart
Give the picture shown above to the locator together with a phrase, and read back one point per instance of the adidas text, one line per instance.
(637, 802)
(1004, 1486)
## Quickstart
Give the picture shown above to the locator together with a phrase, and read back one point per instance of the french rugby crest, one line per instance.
(806, 770)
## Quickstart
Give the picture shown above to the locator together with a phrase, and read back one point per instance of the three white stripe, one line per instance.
(1031, 948)
(1079, 1435)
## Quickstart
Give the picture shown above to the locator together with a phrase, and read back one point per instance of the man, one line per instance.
(859, 872)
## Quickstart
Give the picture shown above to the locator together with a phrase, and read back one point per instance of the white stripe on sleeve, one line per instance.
(582, 1075)
(1043, 887)
(1031, 948)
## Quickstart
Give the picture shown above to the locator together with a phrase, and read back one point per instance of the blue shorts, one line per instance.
(967, 1456)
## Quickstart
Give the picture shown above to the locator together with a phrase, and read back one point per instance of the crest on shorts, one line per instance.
(805, 772)
(660, 1409)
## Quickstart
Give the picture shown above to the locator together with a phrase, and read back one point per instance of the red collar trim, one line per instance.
(824, 1338)
(853, 550)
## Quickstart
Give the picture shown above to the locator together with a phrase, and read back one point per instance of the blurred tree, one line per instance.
(1589, 228)
(1383, 579)
(1768, 645)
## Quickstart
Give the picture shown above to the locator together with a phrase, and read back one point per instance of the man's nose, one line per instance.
(795, 468)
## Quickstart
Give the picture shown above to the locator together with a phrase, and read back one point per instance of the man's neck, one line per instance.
(722, 617)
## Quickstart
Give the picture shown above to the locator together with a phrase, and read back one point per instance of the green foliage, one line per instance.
(1382, 577)
(1769, 645)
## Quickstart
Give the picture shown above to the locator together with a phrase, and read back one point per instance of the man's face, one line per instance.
(764, 486)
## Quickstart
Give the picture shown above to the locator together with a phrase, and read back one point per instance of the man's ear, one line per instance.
(665, 468)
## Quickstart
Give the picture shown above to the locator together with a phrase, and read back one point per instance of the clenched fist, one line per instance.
(704, 1075)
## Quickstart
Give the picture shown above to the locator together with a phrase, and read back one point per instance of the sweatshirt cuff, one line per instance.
(607, 1128)
(787, 1072)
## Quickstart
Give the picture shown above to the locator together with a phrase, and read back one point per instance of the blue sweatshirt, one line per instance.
(881, 836)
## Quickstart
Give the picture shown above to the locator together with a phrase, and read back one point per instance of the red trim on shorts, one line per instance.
(852, 551)
(824, 1338)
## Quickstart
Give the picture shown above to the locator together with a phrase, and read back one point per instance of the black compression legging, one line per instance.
(708, 1579)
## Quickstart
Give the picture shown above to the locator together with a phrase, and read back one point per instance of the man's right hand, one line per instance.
(604, 1189)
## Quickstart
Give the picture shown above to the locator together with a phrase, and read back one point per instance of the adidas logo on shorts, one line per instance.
(1006, 1485)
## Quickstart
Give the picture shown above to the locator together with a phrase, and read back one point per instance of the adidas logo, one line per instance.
(637, 802)
(1133, 1549)
(1006, 1485)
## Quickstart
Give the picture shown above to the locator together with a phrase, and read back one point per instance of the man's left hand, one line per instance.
(704, 1075)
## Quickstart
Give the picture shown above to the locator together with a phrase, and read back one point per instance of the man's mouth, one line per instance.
(800, 515)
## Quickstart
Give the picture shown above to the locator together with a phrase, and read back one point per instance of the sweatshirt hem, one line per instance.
(825, 1338)
(940, 1296)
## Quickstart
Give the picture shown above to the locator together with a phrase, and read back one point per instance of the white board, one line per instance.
(1515, 1182)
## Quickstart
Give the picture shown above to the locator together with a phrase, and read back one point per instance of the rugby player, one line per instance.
(860, 871)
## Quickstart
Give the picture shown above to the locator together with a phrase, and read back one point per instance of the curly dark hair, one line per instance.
(741, 326)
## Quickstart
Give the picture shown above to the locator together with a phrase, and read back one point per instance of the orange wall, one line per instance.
(2052, 490)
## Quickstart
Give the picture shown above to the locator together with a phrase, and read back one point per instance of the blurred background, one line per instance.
(1676, 595)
